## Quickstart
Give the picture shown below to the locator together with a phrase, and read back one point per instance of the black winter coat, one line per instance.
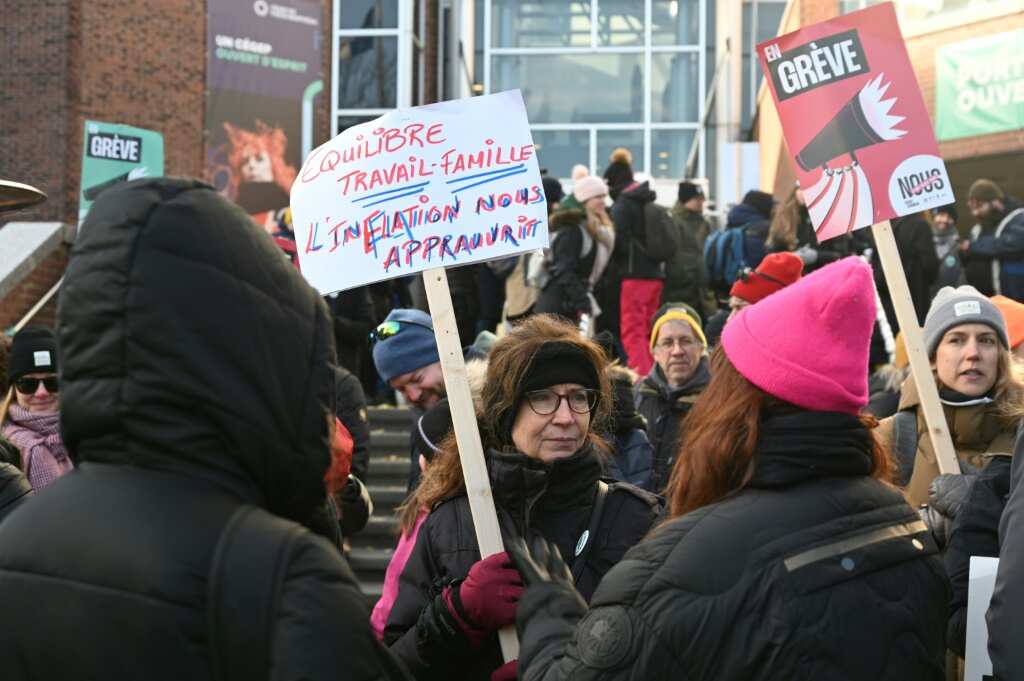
(664, 409)
(554, 500)
(1005, 616)
(914, 242)
(14, 489)
(814, 571)
(195, 379)
(630, 254)
(350, 408)
(572, 260)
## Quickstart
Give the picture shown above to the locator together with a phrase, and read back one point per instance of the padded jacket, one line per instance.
(195, 380)
(553, 500)
(814, 570)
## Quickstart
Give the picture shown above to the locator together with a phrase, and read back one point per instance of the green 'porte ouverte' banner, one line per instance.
(979, 86)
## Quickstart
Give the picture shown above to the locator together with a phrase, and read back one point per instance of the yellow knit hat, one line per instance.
(681, 314)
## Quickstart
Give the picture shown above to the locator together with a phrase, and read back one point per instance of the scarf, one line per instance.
(43, 456)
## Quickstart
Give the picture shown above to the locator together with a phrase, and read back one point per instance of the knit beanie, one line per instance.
(412, 348)
(619, 172)
(961, 305)
(688, 190)
(34, 349)
(776, 271)
(808, 344)
(553, 192)
(588, 187)
(985, 190)
(579, 170)
(677, 312)
(431, 429)
(760, 201)
(1013, 314)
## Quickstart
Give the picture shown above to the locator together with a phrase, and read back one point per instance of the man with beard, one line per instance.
(994, 256)
(679, 375)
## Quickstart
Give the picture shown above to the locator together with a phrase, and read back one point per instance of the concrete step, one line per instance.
(389, 469)
(369, 561)
(394, 417)
(384, 525)
(372, 590)
(389, 442)
(386, 496)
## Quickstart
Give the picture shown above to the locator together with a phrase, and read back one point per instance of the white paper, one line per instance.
(430, 186)
(979, 595)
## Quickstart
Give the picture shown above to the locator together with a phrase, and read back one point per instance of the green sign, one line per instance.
(980, 86)
(112, 154)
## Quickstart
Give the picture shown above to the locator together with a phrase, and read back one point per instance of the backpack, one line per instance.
(660, 232)
(538, 264)
(730, 250)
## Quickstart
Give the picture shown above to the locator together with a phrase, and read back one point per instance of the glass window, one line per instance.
(559, 150)
(575, 88)
(620, 22)
(669, 150)
(676, 22)
(369, 14)
(609, 140)
(346, 122)
(531, 23)
(769, 14)
(675, 87)
(367, 72)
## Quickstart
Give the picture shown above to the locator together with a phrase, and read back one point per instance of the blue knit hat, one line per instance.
(412, 348)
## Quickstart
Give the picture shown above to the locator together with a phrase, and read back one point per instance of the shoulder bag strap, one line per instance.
(585, 541)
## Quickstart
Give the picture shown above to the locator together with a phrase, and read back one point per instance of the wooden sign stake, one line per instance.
(467, 434)
(920, 367)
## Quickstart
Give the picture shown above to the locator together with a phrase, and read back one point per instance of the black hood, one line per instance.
(189, 345)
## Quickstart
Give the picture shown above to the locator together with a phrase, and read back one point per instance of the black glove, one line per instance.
(947, 495)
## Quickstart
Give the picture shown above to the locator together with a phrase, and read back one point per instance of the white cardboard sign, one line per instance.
(431, 186)
(977, 664)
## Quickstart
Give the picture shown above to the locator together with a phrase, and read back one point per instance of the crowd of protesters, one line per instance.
(707, 454)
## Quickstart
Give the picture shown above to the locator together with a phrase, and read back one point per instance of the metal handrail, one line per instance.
(709, 100)
(35, 308)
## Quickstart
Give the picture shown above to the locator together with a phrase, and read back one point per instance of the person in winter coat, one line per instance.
(979, 385)
(685, 278)
(947, 249)
(1005, 618)
(633, 452)
(775, 272)
(786, 555)
(667, 394)
(914, 242)
(791, 230)
(30, 413)
(196, 391)
(577, 237)
(643, 276)
(14, 488)
(545, 399)
(994, 255)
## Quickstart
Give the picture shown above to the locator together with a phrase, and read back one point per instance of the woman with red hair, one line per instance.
(787, 554)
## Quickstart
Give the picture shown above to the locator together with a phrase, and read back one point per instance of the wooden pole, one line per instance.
(467, 434)
(920, 366)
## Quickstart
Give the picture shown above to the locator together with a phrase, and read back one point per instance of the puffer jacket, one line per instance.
(14, 489)
(554, 500)
(573, 252)
(630, 255)
(685, 278)
(813, 571)
(664, 408)
(1000, 251)
(195, 381)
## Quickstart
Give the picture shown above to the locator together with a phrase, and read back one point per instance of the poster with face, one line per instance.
(263, 73)
(855, 122)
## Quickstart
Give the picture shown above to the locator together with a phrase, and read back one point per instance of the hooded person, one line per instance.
(633, 453)
(785, 555)
(196, 387)
(545, 403)
(680, 373)
(994, 255)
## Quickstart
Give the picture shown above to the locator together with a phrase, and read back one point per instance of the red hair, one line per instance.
(245, 143)
(716, 455)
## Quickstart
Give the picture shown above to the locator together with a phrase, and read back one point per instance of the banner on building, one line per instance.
(420, 188)
(854, 120)
(112, 154)
(263, 72)
(979, 86)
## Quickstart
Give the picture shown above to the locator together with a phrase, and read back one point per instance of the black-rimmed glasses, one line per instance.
(546, 402)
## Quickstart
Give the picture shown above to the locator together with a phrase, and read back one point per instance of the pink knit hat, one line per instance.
(588, 187)
(808, 344)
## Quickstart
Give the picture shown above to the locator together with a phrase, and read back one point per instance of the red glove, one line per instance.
(341, 458)
(506, 672)
(487, 599)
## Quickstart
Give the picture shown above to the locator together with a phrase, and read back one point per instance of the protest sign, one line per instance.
(977, 664)
(855, 121)
(112, 154)
(430, 186)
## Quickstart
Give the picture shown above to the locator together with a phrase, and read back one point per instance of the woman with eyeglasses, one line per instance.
(30, 412)
(546, 398)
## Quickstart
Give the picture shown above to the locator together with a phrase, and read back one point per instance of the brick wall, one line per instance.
(26, 294)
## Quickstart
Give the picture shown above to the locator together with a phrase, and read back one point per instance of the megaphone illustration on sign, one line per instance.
(841, 199)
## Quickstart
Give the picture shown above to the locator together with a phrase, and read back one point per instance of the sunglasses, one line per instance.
(28, 386)
(391, 328)
(747, 272)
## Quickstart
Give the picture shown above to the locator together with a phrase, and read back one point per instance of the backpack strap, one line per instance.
(243, 589)
(589, 534)
(905, 444)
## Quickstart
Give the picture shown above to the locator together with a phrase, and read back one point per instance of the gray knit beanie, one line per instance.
(961, 305)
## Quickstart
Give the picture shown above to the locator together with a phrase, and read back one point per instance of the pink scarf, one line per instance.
(43, 457)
